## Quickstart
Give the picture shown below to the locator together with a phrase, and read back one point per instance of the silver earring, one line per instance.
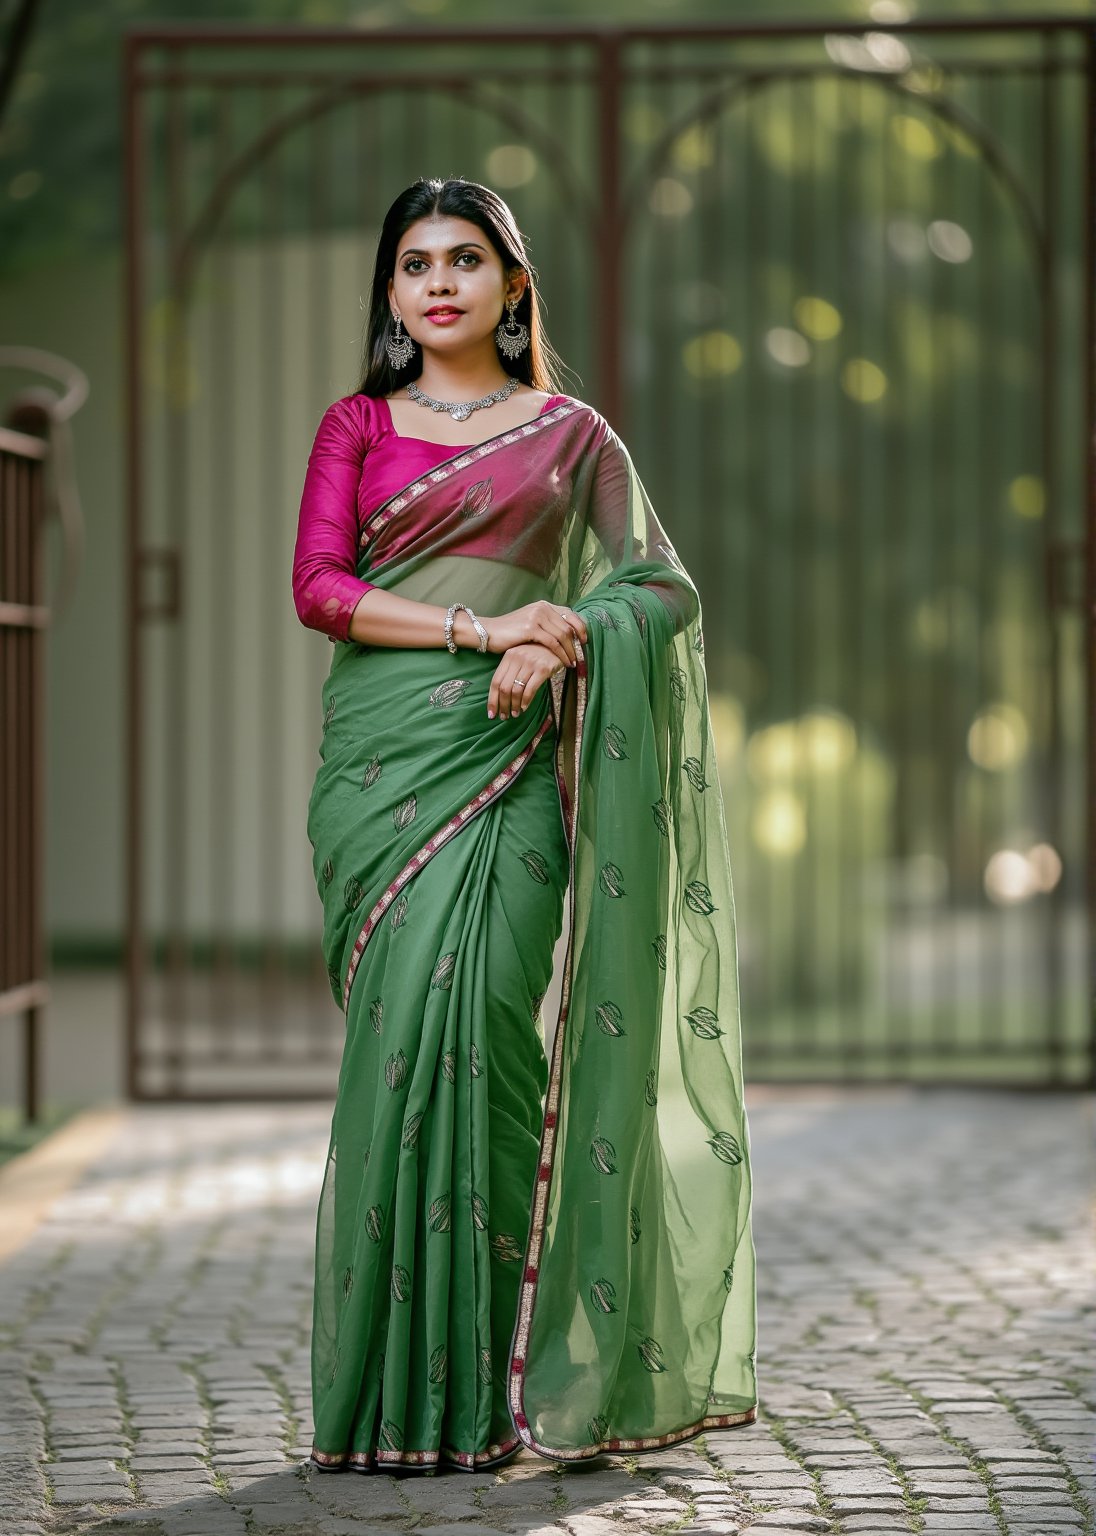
(400, 349)
(512, 339)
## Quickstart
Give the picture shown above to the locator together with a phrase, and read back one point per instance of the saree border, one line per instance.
(531, 1271)
(468, 1461)
(448, 830)
(387, 510)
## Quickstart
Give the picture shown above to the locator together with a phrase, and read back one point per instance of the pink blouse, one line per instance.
(358, 461)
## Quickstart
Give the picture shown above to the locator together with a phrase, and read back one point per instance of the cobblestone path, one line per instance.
(925, 1295)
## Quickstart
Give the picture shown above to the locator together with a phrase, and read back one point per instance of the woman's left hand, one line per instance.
(531, 661)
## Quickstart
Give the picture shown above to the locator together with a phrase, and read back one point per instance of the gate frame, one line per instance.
(606, 41)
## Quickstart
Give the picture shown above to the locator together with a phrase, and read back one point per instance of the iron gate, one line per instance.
(833, 288)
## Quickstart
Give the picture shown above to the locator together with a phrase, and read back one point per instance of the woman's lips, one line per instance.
(445, 316)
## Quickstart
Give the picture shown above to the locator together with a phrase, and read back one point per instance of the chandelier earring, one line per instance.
(512, 338)
(400, 349)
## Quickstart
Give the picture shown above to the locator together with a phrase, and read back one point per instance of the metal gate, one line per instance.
(833, 287)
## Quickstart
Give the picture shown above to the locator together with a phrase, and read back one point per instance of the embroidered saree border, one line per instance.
(430, 848)
(411, 492)
(469, 1460)
(531, 1275)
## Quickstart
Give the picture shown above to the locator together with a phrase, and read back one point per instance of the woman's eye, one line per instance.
(414, 261)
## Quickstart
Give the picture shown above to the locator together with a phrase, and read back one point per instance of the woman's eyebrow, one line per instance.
(417, 251)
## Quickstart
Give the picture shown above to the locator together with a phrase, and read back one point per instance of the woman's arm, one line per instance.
(384, 618)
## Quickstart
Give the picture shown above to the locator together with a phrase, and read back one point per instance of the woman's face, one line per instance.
(448, 261)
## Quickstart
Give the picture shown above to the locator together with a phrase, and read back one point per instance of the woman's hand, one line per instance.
(535, 663)
(541, 623)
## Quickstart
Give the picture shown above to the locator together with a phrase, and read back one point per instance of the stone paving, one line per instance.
(925, 1300)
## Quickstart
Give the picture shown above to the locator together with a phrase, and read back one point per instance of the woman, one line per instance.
(513, 1249)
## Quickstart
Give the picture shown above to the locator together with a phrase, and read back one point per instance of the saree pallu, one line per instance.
(521, 1240)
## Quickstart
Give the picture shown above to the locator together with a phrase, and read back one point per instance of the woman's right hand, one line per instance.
(540, 623)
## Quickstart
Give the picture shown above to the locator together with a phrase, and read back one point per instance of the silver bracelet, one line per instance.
(450, 643)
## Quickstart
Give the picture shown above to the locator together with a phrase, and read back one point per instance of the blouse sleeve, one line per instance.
(326, 589)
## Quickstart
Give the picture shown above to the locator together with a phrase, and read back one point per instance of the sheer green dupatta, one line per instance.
(637, 1315)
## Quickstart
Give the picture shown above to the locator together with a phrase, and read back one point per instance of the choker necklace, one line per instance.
(460, 410)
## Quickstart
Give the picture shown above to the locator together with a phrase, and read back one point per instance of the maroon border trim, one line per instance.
(490, 792)
(403, 498)
(468, 1460)
(531, 1276)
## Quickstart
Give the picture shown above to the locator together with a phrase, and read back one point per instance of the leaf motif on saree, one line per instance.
(438, 1214)
(395, 1070)
(640, 613)
(474, 1061)
(390, 1436)
(442, 976)
(698, 641)
(704, 1024)
(348, 1283)
(328, 872)
(609, 1017)
(329, 712)
(353, 893)
(695, 773)
(650, 1352)
(677, 684)
(399, 912)
(537, 1001)
(726, 1147)
(374, 1223)
(401, 1283)
(649, 1092)
(485, 1367)
(439, 1364)
(372, 772)
(335, 1364)
(658, 944)
(586, 572)
(634, 1227)
(448, 693)
(603, 1155)
(335, 979)
(661, 812)
(699, 898)
(611, 880)
(404, 813)
(476, 499)
(728, 1275)
(613, 742)
(376, 1014)
(606, 619)
(449, 1066)
(411, 1128)
(479, 1211)
(536, 864)
(603, 1296)
(505, 1246)
(598, 1427)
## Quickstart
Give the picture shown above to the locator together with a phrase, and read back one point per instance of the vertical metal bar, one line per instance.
(132, 299)
(172, 812)
(35, 765)
(1054, 906)
(1089, 622)
(608, 87)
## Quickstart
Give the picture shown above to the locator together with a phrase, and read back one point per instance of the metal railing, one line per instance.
(24, 991)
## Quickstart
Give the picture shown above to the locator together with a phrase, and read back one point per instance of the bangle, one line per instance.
(450, 643)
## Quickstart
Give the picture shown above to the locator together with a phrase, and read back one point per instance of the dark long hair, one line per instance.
(538, 365)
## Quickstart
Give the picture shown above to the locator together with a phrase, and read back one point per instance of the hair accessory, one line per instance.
(400, 349)
(512, 338)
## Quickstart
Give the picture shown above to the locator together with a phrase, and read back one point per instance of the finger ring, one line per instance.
(519, 682)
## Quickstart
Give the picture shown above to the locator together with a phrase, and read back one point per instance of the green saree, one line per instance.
(521, 1238)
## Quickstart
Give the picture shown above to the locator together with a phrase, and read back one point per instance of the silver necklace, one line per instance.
(460, 410)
